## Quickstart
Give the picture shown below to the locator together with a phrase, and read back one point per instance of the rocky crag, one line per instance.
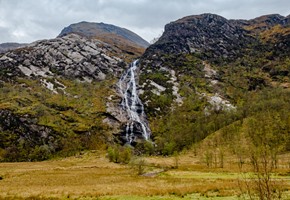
(71, 56)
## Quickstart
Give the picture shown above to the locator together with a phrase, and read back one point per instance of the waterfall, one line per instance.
(137, 124)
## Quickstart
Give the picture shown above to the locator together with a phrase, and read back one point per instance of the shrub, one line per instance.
(169, 148)
(146, 147)
(42, 152)
(138, 164)
(149, 147)
(112, 154)
(120, 154)
(125, 155)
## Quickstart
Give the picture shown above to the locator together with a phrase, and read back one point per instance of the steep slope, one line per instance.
(195, 78)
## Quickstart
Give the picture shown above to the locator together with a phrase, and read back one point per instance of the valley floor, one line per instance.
(91, 176)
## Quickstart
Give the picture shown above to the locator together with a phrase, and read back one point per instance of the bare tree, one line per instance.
(265, 141)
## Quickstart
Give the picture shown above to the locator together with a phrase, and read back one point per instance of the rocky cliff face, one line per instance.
(209, 34)
(28, 133)
(214, 36)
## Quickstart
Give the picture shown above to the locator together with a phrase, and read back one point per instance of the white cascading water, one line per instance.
(132, 104)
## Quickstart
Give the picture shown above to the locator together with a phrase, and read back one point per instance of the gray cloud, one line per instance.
(30, 20)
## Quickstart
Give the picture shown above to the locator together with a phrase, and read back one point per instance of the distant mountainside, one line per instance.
(108, 33)
(61, 96)
(10, 46)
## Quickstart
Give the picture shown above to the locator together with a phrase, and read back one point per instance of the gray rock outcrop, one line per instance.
(71, 56)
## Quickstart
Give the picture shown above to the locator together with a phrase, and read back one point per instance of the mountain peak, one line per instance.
(104, 32)
(205, 33)
(206, 17)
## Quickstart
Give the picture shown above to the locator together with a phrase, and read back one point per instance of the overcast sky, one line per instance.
(25, 21)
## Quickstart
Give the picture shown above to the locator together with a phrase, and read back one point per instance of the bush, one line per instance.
(149, 147)
(169, 148)
(39, 153)
(120, 154)
(112, 155)
(146, 147)
(138, 164)
(125, 155)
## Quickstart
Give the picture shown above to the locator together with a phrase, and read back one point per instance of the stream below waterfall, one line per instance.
(137, 126)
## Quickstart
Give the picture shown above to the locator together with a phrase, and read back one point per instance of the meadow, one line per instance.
(90, 175)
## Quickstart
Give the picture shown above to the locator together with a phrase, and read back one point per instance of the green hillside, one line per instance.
(37, 123)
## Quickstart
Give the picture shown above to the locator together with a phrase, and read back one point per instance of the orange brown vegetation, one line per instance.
(90, 175)
(274, 32)
(124, 48)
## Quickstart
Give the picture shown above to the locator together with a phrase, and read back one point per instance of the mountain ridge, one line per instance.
(193, 81)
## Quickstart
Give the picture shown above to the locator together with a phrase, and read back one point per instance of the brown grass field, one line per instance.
(91, 176)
